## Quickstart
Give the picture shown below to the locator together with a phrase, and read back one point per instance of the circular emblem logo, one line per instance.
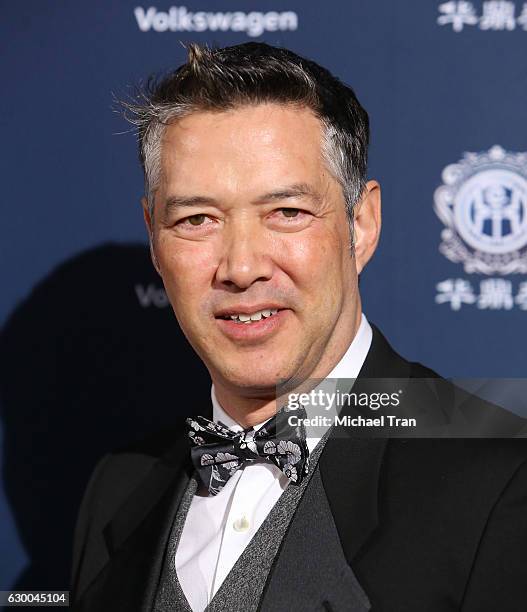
(483, 204)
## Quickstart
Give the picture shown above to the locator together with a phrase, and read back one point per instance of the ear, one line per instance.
(150, 228)
(367, 224)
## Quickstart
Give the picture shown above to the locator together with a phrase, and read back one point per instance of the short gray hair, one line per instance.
(252, 73)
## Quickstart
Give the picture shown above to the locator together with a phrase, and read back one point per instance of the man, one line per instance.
(260, 222)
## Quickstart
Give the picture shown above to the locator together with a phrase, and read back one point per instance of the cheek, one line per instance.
(311, 260)
(187, 269)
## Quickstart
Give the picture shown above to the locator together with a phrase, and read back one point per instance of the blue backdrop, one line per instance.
(90, 349)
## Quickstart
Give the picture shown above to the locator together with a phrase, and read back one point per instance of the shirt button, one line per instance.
(241, 524)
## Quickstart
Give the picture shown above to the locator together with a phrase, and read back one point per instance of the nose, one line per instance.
(245, 257)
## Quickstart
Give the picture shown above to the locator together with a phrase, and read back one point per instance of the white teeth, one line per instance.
(256, 316)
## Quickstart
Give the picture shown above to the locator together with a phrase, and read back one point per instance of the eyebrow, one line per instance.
(297, 190)
(175, 201)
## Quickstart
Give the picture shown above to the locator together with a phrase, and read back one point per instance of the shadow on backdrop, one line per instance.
(93, 359)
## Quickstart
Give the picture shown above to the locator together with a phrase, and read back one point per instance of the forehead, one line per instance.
(261, 143)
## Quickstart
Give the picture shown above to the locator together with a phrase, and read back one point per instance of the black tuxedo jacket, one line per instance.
(424, 524)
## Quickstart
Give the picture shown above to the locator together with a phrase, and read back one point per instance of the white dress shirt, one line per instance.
(218, 528)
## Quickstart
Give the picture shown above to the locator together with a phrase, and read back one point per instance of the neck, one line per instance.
(249, 410)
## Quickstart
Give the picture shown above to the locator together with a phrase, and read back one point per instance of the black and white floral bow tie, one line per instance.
(217, 451)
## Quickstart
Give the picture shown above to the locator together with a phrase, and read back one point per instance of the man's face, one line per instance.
(248, 221)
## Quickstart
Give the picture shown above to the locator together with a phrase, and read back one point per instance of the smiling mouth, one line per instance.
(248, 318)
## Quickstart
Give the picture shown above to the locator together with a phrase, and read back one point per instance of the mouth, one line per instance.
(252, 325)
(249, 317)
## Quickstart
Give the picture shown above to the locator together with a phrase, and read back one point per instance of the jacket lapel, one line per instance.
(350, 466)
(350, 470)
(136, 538)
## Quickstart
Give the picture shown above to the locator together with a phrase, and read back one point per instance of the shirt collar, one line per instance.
(351, 362)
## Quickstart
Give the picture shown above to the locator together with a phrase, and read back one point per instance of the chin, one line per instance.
(259, 381)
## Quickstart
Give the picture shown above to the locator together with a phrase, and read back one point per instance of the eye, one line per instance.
(196, 219)
(289, 219)
(290, 212)
(197, 224)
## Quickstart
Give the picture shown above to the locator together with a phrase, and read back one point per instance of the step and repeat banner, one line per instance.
(91, 355)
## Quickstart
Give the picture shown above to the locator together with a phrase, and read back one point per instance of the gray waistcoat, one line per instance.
(242, 589)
